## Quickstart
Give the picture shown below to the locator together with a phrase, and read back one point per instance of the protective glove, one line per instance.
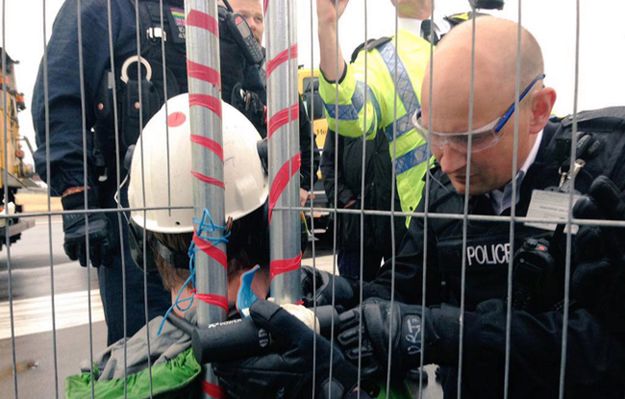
(75, 229)
(599, 250)
(405, 325)
(287, 373)
(343, 290)
(603, 201)
(249, 104)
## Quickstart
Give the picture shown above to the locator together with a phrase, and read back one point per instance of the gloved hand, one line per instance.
(603, 201)
(249, 104)
(343, 291)
(405, 324)
(287, 373)
(75, 229)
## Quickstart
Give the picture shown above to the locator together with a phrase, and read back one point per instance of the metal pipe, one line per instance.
(283, 148)
(203, 70)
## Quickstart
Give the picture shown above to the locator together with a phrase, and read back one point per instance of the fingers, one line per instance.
(606, 194)
(278, 322)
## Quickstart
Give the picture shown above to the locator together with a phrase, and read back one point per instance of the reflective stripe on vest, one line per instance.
(411, 159)
(404, 90)
(351, 111)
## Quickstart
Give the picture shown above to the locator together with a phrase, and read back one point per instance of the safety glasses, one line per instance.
(481, 139)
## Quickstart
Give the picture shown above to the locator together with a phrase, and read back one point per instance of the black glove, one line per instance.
(599, 250)
(343, 290)
(603, 201)
(249, 104)
(405, 324)
(75, 229)
(287, 373)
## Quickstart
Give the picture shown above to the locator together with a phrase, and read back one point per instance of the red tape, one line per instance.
(208, 180)
(210, 144)
(206, 101)
(204, 73)
(281, 118)
(286, 172)
(282, 266)
(281, 58)
(213, 299)
(211, 250)
(212, 390)
(202, 20)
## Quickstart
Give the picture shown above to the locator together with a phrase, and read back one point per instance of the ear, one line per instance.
(542, 104)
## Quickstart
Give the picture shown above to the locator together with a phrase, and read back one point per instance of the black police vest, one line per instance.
(487, 253)
(162, 60)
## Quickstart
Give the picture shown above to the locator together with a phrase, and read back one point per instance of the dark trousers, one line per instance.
(111, 290)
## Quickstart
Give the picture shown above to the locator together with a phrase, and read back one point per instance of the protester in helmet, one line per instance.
(161, 178)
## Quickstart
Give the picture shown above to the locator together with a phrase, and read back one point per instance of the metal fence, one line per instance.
(21, 375)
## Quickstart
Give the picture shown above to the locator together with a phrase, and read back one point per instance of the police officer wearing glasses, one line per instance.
(467, 262)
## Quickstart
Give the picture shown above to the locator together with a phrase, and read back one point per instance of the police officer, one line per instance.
(412, 52)
(111, 87)
(595, 328)
(595, 331)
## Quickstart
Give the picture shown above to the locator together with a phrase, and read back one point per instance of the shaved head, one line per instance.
(494, 76)
(495, 64)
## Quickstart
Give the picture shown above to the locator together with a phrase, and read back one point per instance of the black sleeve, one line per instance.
(408, 269)
(332, 181)
(65, 117)
(595, 357)
(305, 145)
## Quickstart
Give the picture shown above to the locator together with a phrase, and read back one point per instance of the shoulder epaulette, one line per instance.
(456, 19)
(368, 46)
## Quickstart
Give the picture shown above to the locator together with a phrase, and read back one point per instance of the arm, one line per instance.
(64, 93)
(408, 263)
(342, 86)
(328, 14)
(332, 182)
(305, 144)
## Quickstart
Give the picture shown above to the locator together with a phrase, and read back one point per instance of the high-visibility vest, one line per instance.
(406, 146)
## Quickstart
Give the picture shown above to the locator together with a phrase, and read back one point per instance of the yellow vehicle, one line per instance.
(14, 172)
(308, 88)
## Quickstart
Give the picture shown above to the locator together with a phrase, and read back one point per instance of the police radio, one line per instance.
(242, 34)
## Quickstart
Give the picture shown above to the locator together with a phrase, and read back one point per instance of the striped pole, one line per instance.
(203, 70)
(283, 147)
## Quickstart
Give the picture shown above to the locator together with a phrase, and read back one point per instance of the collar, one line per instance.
(501, 198)
(411, 25)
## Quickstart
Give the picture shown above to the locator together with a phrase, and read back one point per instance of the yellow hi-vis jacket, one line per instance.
(410, 149)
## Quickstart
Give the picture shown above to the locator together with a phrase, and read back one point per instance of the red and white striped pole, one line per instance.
(283, 148)
(203, 70)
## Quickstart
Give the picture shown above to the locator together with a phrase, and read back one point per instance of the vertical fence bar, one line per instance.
(203, 70)
(49, 201)
(283, 148)
(5, 195)
(569, 225)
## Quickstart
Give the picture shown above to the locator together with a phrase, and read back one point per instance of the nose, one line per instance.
(449, 159)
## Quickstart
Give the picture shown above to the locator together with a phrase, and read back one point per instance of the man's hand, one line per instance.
(404, 324)
(75, 229)
(329, 11)
(288, 373)
(324, 284)
(331, 60)
(603, 201)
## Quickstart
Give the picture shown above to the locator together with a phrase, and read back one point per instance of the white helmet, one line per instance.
(244, 178)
